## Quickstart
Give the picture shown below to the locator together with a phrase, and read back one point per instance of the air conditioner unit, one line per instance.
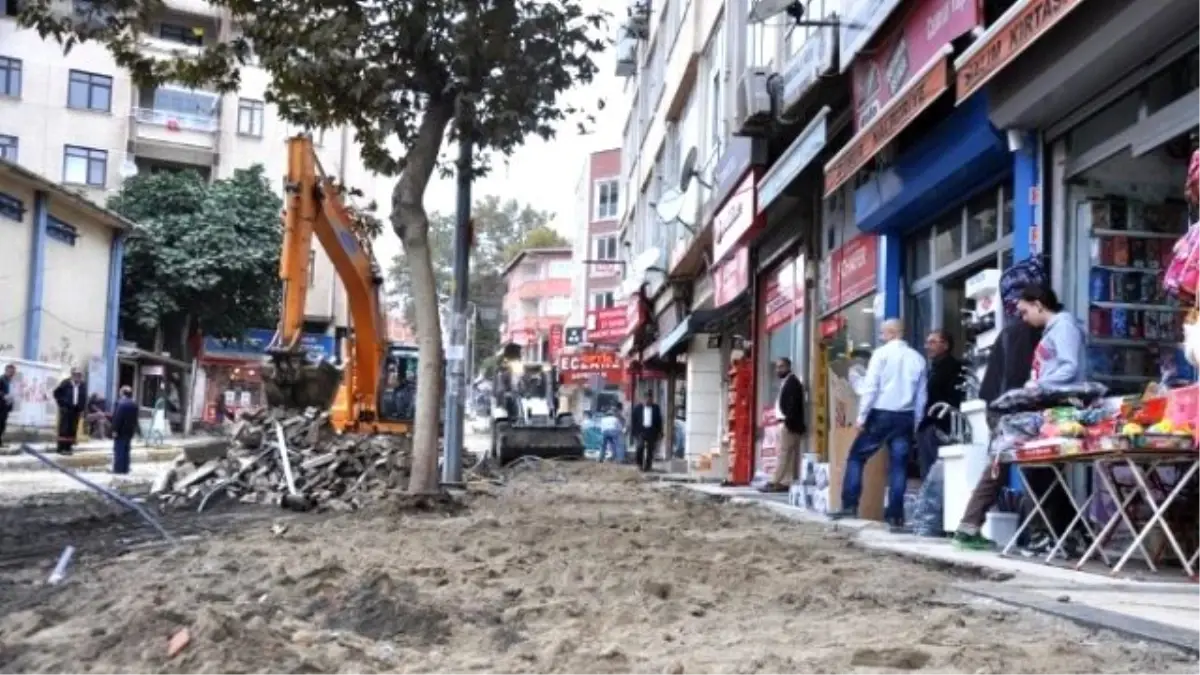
(752, 115)
(626, 49)
(638, 25)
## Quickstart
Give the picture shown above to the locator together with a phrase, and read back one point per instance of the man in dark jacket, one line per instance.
(790, 412)
(124, 426)
(8, 396)
(945, 376)
(71, 397)
(646, 428)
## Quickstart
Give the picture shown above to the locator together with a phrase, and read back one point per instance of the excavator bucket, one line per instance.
(293, 382)
(512, 442)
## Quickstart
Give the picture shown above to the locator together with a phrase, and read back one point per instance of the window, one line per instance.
(603, 300)
(88, 91)
(250, 117)
(187, 102)
(8, 147)
(10, 77)
(560, 269)
(11, 207)
(605, 248)
(181, 34)
(61, 231)
(607, 199)
(84, 166)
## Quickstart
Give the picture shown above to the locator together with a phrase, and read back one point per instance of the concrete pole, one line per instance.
(456, 355)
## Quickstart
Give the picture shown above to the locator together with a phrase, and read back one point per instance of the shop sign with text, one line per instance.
(798, 155)
(735, 219)
(852, 270)
(577, 367)
(731, 278)
(915, 97)
(814, 59)
(1019, 27)
(635, 313)
(732, 165)
(778, 306)
(860, 20)
(607, 325)
(556, 339)
(879, 75)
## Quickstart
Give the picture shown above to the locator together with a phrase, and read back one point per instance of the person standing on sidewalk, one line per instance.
(71, 397)
(124, 426)
(790, 412)
(1057, 360)
(891, 404)
(945, 376)
(646, 428)
(7, 397)
(611, 436)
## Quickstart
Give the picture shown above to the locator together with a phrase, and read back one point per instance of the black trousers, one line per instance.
(3, 423)
(646, 445)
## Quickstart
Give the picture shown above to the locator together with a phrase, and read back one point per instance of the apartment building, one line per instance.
(79, 120)
(537, 301)
(595, 311)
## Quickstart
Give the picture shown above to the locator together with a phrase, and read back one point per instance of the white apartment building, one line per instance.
(78, 119)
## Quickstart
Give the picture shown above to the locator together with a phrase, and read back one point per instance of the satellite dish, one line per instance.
(688, 171)
(669, 206)
(646, 259)
(767, 9)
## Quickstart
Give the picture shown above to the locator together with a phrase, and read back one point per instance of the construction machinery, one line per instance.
(524, 417)
(374, 390)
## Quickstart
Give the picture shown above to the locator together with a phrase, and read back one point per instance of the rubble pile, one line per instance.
(322, 470)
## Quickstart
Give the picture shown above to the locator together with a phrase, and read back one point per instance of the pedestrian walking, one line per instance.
(646, 428)
(612, 442)
(8, 398)
(942, 386)
(790, 413)
(124, 426)
(71, 397)
(891, 404)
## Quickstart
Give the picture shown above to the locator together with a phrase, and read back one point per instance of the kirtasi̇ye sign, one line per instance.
(578, 367)
(1019, 27)
(607, 325)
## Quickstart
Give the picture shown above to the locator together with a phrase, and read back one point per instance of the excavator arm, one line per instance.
(314, 207)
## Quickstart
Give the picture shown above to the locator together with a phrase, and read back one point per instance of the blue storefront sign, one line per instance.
(256, 340)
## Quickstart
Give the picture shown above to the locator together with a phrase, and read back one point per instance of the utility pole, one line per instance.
(456, 356)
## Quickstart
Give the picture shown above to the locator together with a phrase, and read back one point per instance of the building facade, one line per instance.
(80, 120)
(596, 242)
(537, 301)
(60, 288)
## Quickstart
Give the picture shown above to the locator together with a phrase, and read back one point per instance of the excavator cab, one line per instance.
(398, 395)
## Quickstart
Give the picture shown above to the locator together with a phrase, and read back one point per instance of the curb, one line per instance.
(91, 459)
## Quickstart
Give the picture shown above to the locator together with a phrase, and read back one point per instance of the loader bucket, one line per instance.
(510, 443)
(291, 381)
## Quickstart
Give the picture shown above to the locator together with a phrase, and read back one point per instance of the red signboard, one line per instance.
(635, 313)
(731, 277)
(578, 367)
(851, 271)
(879, 74)
(556, 340)
(607, 325)
(778, 308)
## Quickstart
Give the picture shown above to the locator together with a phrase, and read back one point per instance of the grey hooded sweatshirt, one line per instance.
(1059, 358)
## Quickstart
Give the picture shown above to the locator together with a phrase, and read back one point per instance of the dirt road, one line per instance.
(575, 569)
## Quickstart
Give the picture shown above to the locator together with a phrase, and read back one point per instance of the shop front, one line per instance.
(230, 376)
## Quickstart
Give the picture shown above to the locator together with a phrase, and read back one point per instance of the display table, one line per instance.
(1147, 484)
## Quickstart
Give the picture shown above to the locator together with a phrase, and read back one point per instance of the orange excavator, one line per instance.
(374, 391)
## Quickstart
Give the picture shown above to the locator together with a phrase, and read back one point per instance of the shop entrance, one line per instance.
(956, 305)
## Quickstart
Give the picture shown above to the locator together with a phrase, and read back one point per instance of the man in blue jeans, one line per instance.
(891, 403)
(612, 436)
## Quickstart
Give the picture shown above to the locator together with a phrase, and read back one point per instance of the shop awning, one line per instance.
(700, 322)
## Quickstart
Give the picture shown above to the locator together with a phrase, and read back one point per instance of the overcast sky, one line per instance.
(541, 174)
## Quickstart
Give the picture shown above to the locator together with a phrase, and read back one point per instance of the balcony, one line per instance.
(193, 8)
(173, 137)
(542, 288)
(168, 48)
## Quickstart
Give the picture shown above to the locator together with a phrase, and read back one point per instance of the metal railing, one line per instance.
(176, 121)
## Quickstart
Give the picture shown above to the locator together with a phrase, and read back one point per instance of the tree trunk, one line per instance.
(411, 224)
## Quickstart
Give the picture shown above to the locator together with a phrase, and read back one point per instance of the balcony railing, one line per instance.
(176, 121)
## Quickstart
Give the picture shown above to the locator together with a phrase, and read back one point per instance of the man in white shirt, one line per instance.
(891, 403)
(610, 434)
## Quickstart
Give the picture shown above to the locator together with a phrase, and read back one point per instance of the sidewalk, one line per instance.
(1164, 608)
(98, 454)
